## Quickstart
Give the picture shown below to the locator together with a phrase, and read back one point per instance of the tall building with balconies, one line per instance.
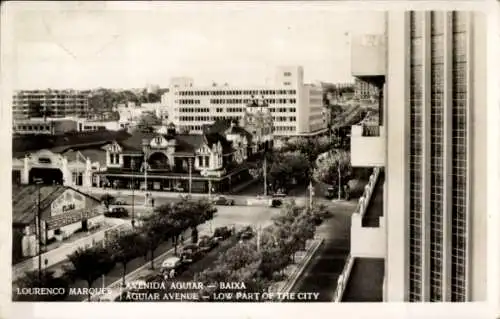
(53, 103)
(431, 144)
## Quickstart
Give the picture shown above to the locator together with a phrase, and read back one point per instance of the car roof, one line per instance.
(171, 259)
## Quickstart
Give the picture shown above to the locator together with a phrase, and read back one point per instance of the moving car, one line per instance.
(207, 243)
(222, 233)
(190, 253)
(171, 263)
(223, 201)
(117, 212)
(330, 192)
(280, 193)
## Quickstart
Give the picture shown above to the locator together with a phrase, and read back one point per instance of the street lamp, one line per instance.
(190, 161)
(39, 182)
(311, 194)
(340, 177)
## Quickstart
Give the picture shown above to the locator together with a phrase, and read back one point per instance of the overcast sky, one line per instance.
(117, 46)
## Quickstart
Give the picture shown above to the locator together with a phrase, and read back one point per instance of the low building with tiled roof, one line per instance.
(174, 161)
(62, 211)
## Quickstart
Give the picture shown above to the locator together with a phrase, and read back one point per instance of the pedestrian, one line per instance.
(172, 273)
(165, 275)
(152, 202)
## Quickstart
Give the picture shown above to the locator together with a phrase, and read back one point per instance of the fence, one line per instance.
(358, 214)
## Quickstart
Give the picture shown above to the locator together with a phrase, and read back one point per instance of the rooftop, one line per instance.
(366, 281)
(25, 197)
(62, 142)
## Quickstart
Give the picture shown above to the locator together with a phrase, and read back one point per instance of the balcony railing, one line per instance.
(370, 130)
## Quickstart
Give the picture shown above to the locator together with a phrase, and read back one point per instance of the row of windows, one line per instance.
(235, 92)
(194, 110)
(188, 101)
(284, 118)
(33, 127)
(284, 128)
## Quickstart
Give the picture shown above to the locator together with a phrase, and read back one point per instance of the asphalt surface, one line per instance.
(322, 273)
(226, 216)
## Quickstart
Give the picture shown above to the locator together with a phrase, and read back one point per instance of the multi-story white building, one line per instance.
(57, 103)
(430, 140)
(297, 108)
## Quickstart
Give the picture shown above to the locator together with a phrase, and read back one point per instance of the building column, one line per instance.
(426, 154)
(447, 154)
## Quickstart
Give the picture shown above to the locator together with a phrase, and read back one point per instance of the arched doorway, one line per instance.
(48, 176)
(158, 160)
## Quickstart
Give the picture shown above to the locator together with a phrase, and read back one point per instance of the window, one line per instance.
(287, 74)
(287, 83)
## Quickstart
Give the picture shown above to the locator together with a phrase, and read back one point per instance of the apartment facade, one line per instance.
(432, 147)
(437, 112)
(364, 90)
(57, 103)
(297, 108)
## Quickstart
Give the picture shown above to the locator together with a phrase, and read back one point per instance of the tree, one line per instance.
(177, 219)
(240, 256)
(31, 279)
(154, 231)
(126, 248)
(332, 166)
(90, 264)
(148, 120)
(108, 200)
(286, 168)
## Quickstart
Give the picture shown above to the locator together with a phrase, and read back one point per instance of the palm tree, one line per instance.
(90, 264)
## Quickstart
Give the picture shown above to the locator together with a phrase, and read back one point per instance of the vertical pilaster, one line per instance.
(426, 152)
(447, 154)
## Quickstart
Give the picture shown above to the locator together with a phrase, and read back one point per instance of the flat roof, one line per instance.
(366, 281)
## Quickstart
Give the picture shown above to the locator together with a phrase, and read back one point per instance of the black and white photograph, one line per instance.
(248, 152)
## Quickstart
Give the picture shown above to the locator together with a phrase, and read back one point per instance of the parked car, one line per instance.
(120, 202)
(276, 202)
(280, 193)
(246, 233)
(117, 212)
(330, 193)
(190, 253)
(223, 201)
(222, 233)
(207, 243)
(171, 263)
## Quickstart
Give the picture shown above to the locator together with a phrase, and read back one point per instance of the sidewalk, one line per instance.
(145, 270)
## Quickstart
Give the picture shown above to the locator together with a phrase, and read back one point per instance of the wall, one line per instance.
(367, 151)
(59, 254)
(368, 55)
(365, 242)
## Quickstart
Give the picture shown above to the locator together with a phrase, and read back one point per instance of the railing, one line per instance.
(360, 210)
(370, 130)
(343, 279)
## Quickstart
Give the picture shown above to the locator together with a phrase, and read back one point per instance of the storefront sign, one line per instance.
(62, 220)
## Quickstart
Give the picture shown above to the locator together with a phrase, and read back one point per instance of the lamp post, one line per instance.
(340, 183)
(265, 175)
(311, 194)
(39, 181)
(190, 161)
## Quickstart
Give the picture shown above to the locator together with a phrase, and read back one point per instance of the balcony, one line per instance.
(367, 146)
(366, 281)
(368, 56)
(368, 238)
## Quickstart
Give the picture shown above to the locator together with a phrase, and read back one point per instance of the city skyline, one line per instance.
(105, 47)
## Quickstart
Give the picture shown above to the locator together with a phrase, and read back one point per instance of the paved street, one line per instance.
(238, 216)
(322, 273)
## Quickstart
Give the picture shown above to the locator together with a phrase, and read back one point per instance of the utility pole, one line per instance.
(311, 192)
(265, 175)
(340, 183)
(209, 189)
(39, 229)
